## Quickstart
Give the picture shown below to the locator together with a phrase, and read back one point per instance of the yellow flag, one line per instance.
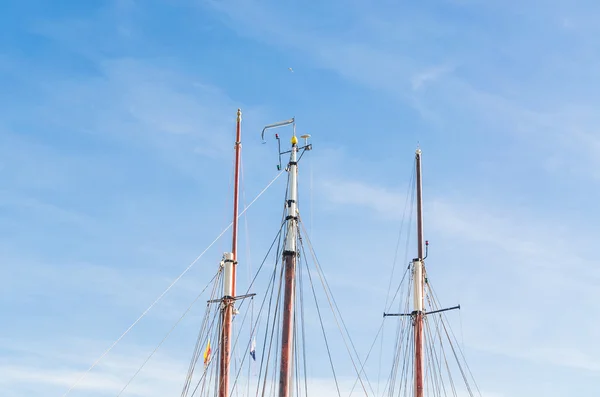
(207, 353)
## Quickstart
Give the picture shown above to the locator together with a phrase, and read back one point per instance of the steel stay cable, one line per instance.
(433, 358)
(167, 290)
(436, 355)
(402, 323)
(267, 322)
(431, 341)
(408, 347)
(401, 329)
(301, 282)
(408, 195)
(277, 238)
(337, 386)
(332, 304)
(457, 360)
(402, 344)
(199, 340)
(276, 313)
(444, 316)
(368, 354)
(217, 319)
(168, 334)
(446, 364)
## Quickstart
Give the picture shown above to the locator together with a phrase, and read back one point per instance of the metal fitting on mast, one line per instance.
(289, 253)
(293, 141)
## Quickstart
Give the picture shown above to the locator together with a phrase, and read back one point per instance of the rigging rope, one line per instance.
(333, 303)
(167, 335)
(367, 357)
(248, 263)
(303, 331)
(198, 346)
(254, 325)
(216, 319)
(167, 290)
(272, 283)
(337, 386)
(409, 194)
(436, 300)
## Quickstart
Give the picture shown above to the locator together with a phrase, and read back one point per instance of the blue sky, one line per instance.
(116, 137)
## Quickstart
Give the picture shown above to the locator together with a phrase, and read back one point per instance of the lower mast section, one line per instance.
(289, 259)
(227, 313)
(418, 325)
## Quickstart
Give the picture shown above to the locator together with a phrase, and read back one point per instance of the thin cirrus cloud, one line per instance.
(139, 131)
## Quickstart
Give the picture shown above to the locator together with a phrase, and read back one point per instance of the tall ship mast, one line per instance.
(230, 264)
(276, 365)
(425, 340)
(289, 260)
(257, 344)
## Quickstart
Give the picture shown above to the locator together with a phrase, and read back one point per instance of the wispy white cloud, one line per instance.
(527, 266)
(130, 108)
(383, 201)
(479, 97)
(43, 368)
(430, 75)
(57, 371)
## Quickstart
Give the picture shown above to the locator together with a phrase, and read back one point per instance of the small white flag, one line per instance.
(253, 349)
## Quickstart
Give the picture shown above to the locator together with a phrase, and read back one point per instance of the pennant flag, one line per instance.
(207, 353)
(253, 349)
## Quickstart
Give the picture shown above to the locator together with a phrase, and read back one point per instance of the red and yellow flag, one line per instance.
(207, 353)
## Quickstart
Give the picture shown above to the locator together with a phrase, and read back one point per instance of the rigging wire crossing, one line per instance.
(167, 335)
(168, 289)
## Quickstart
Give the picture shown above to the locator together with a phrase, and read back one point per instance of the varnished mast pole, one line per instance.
(236, 190)
(418, 284)
(289, 260)
(230, 263)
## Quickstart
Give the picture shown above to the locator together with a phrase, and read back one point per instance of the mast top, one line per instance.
(294, 140)
(239, 114)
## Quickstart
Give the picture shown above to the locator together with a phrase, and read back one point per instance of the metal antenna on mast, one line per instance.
(292, 121)
(289, 254)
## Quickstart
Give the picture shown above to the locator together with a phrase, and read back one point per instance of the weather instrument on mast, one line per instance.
(292, 121)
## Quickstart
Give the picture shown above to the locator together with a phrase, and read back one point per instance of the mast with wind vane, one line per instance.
(289, 255)
(282, 358)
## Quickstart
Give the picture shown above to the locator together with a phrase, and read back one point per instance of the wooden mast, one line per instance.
(289, 260)
(289, 256)
(418, 277)
(236, 190)
(230, 263)
(418, 284)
